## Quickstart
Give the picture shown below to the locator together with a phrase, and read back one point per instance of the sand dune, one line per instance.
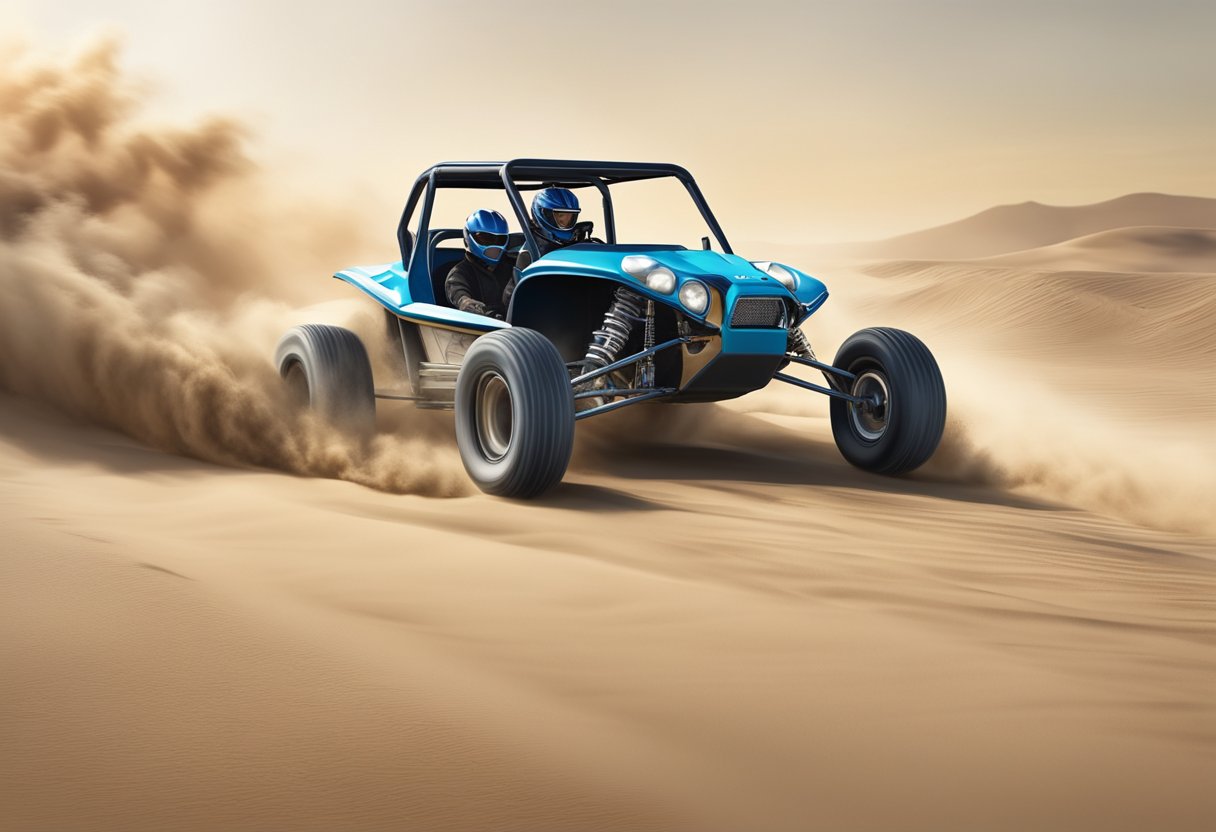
(217, 617)
(1008, 228)
(1144, 318)
(1143, 249)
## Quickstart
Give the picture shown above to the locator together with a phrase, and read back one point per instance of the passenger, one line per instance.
(479, 282)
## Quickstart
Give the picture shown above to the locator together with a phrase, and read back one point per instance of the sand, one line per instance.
(696, 637)
(216, 616)
(732, 631)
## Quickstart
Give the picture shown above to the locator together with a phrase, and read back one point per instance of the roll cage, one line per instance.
(533, 174)
(519, 175)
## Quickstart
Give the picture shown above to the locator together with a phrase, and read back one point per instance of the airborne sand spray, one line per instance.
(137, 288)
(1014, 427)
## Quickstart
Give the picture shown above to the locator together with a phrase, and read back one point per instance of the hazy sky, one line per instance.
(802, 120)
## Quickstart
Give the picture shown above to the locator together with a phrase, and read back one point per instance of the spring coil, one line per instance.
(799, 344)
(608, 341)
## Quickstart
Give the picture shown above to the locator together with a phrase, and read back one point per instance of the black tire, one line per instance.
(514, 413)
(326, 368)
(897, 370)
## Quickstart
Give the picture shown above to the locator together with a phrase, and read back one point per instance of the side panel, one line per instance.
(388, 285)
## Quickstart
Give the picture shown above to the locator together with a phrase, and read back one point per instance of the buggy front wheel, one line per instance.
(514, 413)
(898, 423)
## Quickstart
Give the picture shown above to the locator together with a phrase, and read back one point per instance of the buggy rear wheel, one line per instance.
(899, 424)
(326, 368)
(514, 413)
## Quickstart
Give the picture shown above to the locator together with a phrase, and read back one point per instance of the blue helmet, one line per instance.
(485, 235)
(555, 211)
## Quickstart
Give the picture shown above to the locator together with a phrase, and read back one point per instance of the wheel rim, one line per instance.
(870, 419)
(494, 417)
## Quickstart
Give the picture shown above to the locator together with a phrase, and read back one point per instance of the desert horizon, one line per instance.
(220, 612)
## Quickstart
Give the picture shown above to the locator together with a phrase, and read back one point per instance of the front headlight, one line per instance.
(661, 279)
(778, 273)
(658, 278)
(694, 296)
(638, 265)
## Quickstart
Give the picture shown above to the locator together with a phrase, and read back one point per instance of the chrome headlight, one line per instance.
(662, 280)
(778, 273)
(694, 296)
(657, 277)
(637, 265)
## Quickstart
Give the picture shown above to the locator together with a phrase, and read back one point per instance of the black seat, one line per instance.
(440, 260)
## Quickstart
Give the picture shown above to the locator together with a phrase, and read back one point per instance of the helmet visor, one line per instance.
(564, 219)
(485, 238)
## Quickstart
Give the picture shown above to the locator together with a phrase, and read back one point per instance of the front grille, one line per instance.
(758, 313)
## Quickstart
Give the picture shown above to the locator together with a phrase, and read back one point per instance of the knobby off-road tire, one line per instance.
(326, 368)
(514, 413)
(904, 431)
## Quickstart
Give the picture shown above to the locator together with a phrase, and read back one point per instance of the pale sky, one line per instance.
(803, 121)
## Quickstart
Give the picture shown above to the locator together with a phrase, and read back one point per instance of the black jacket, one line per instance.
(471, 278)
(543, 243)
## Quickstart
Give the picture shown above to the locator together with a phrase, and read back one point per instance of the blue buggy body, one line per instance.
(727, 273)
(730, 278)
(598, 325)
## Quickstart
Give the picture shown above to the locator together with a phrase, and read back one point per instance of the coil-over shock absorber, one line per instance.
(799, 345)
(608, 341)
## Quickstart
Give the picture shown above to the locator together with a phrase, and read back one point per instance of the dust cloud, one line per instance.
(1092, 388)
(1030, 438)
(147, 273)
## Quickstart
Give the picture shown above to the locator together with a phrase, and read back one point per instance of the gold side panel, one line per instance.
(694, 363)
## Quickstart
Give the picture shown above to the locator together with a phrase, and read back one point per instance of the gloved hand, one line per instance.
(468, 304)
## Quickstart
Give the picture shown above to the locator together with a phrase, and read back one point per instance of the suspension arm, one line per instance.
(613, 392)
(657, 392)
(819, 365)
(827, 391)
(626, 361)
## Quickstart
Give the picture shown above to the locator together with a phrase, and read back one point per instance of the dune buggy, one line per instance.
(601, 325)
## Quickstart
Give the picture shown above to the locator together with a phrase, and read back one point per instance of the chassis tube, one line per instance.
(627, 360)
(827, 391)
(819, 365)
(656, 393)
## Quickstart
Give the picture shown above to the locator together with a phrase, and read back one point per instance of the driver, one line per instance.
(478, 283)
(554, 214)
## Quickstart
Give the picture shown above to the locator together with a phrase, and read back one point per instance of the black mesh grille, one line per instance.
(767, 313)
